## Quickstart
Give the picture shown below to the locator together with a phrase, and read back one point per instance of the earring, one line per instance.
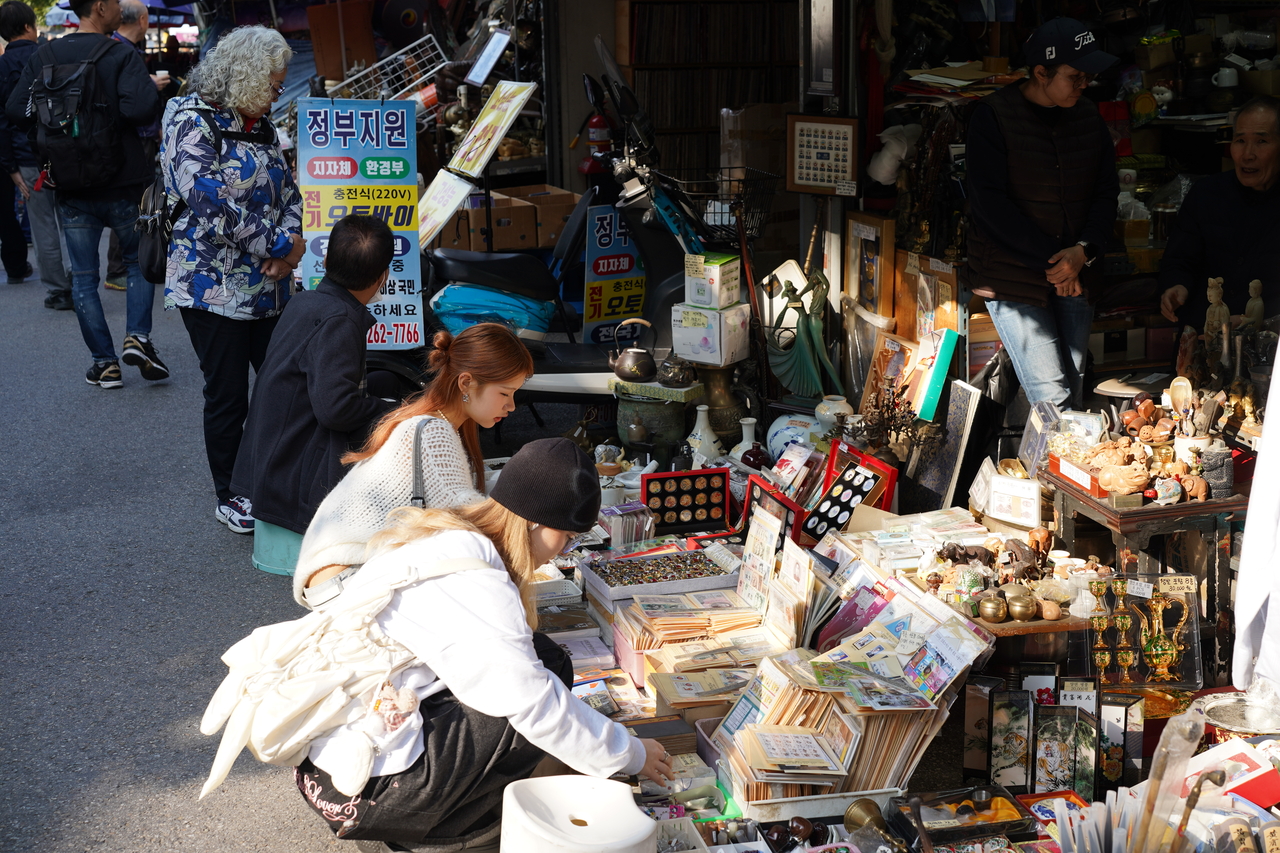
(466, 398)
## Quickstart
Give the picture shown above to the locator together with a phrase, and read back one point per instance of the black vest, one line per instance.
(1053, 174)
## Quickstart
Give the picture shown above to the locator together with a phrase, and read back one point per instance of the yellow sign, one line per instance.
(613, 300)
(323, 205)
(490, 127)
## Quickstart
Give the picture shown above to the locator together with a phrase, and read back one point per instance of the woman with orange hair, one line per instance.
(476, 377)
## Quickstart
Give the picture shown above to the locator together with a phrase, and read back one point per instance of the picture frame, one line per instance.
(1065, 751)
(1081, 691)
(892, 361)
(931, 483)
(822, 17)
(913, 272)
(1040, 679)
(822, 155)
(1009, 754)
(869, 261)
(1121, 720)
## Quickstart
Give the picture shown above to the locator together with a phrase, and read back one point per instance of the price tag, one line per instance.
(694, 266)
(693, 319)
(940, 824)
(1076, 475)
(1178, 585)
(913, 263)
(864, 231)
(699, 461)
(909, 641)
(943, 267)
(846, 187)
(1141, 589)
(944, 293)
(892, 345)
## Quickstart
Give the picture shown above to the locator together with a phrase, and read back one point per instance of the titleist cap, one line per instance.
(1066, 41)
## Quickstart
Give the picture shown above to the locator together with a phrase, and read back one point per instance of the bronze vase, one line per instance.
(725, 409)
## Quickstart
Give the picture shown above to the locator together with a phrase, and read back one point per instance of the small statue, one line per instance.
(1124, 479)
(1197, 488)
(800, 366)
(1040, 540)
(1254, 309)
(1249, 403)
(934, 580)
(1168, 490)
(1216, 317)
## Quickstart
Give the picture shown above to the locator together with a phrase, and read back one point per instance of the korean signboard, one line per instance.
(614, 277)
(360, 157)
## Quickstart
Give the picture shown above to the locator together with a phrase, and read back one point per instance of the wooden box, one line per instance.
(1085, 478)
(941, 286)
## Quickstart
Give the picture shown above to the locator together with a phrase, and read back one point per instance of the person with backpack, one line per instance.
(18, 159)
(85, 94)
(237, 233)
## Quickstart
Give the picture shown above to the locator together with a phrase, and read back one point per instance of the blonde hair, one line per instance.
(508, 532)
(236, 73)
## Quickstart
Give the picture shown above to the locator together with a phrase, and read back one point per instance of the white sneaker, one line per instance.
(236, 513)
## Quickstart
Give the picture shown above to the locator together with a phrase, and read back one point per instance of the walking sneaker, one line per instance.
(117, 282)
(139, 352)
(19, 279)
(105, 375)
(236, 513)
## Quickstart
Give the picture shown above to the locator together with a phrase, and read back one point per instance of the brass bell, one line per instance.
(863, 812)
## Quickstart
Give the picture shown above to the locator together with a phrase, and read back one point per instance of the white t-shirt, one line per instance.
(469, 631)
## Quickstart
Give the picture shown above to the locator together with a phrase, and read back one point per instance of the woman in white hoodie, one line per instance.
(484, 697)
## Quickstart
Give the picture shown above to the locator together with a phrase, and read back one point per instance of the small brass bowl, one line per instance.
(993, 609)
(1022, 608)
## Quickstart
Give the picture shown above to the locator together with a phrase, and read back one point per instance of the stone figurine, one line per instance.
(1255, 309)
(1215, 317)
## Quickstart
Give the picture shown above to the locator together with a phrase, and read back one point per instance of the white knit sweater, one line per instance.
(357, 507)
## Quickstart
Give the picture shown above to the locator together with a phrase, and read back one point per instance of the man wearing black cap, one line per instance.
(1043, 190)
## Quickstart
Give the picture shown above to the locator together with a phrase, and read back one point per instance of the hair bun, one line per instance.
(438, 358)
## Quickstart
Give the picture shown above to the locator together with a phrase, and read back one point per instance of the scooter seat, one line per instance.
(523, 275)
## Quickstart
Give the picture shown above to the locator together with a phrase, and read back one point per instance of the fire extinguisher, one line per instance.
(595, 169)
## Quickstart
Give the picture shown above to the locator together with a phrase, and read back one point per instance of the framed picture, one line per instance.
(891, 366)
(822, 156)
(931, 482)
(823, 19)
(1079, 691)
(1040, 680)
(869, 261)
(1120, 724)
(1009, 756)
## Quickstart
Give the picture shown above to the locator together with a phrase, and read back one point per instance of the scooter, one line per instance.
(655, 207)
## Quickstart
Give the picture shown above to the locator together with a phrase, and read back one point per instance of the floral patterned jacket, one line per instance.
(242, 206)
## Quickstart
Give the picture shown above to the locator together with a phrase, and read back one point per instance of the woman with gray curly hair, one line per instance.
(237, 236)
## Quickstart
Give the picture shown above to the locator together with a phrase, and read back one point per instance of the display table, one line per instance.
(1010, 628)
(1132, 529)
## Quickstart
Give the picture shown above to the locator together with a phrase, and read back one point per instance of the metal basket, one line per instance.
(714, 195)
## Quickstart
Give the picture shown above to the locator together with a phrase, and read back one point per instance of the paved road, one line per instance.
(119, 594)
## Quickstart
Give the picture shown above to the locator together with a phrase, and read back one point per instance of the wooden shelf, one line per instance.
(1009, 628)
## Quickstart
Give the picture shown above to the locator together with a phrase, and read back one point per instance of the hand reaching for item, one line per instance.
(657, 763)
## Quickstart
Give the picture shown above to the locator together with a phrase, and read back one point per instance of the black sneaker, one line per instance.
(105, 375)
(59, 302)
(19, 279)
(141, 353)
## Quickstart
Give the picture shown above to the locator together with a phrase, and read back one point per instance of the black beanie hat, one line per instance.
(551, 482)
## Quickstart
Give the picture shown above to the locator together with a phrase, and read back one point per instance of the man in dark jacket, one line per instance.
(18, 159)
(18, 28)
(309, 404)
(1229, 225)
(122, 80)
(1042, 190)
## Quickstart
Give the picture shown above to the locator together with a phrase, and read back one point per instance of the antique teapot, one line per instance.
(633, 364)
(676, 372)
(1159, 649)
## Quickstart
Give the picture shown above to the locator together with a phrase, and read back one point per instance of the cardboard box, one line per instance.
(1145, 140)
(1118, 345)
(1158, 77)
(1197, 43)
(515, 224)
(709, 336)
(456, 234)
(1261, 82)
(712, 279)
(1152, 56)
(1146, 259)
(984, 342)
(554, 205)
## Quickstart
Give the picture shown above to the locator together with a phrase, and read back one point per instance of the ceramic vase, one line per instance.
(831, 407)
(703, 439)
(755, 457)
(789, 429)
(748, 436)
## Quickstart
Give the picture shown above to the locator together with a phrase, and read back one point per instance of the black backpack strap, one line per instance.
(181, 206)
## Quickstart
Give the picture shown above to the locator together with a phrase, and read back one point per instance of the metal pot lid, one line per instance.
(1232, 712)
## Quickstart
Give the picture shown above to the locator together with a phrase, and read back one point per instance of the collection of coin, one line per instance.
(688, 499)
(668, 567)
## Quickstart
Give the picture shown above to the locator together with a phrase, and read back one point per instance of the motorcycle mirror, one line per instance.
(595, 94)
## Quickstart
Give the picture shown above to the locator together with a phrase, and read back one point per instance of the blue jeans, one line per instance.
(82, 223)
(1048, 346)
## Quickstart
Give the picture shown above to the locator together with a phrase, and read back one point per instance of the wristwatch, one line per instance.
(1090, 252)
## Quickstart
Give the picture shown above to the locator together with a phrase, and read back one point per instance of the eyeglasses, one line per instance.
(574, 541)
(1081, 80)
(278, 88)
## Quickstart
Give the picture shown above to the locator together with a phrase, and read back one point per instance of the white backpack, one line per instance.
(292, 682)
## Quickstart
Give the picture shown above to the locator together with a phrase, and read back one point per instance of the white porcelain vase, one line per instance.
(831, 407)
(748, 436)
(703, 439)
(789, 429)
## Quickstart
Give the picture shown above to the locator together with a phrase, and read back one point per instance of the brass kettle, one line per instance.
(864, 812)
(633, 364)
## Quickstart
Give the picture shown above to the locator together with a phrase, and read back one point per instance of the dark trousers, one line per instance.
(453, 792)
(13, 242)
(227, 349)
